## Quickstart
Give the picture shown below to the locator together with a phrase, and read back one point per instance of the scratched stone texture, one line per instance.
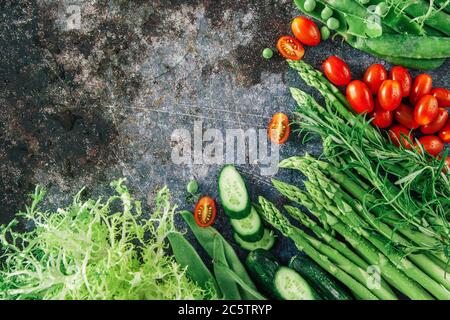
(83, 107)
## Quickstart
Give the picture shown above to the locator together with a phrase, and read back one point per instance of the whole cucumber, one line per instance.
(327, 287)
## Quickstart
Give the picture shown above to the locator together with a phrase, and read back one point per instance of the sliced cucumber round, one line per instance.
(233, 193)
(266, 242)
(291, 286)
(250, 228)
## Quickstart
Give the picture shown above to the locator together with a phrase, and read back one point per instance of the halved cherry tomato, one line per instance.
(279, 128)
(306, 31)
(405, 116)
(205, 211)
(290, 48)
(443, 97)
(437, 124)
(337, 71)
(426, 110)
(421, 86)
(431, 144)
(374, 76)
(444, 134)
(402, 75)
(390, 95)
(359, 97)
(381, 118)
(398, 133)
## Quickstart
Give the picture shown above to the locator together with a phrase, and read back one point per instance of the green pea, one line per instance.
(309, 5)
(326, 13)
(324, 33)
(192, 186)
(333, 23)
(267, 53)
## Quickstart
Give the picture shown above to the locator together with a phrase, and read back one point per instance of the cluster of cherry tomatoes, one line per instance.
(393, 100)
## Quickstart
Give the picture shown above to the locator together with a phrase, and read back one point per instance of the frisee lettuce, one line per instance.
(93, 249)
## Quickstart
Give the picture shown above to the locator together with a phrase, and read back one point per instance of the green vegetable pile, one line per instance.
(413, 34)
(372, 204)
(95, 249)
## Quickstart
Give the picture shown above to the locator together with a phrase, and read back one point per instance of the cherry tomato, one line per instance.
(421, 86)
(337, 71)
(437, 124)
(397, 133)
(390, 95)
(444, 134)
(306, 31)
(405, 116)
(402, 75)
(290, 48)
(205, 211)
(279, 128)
(431, 144)
(374, 76)
(426, 110)
(443, 97)
(359, 97)
(381, 118)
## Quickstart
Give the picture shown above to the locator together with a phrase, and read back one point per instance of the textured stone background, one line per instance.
(83, 107)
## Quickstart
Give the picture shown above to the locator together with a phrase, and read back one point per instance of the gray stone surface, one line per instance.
(83, 107)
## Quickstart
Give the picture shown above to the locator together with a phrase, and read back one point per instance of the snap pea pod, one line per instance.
(420, 64)
(206, 236)
(410, 46)
(227, 285)
(437, 19)
(188, 258)
(396, 19)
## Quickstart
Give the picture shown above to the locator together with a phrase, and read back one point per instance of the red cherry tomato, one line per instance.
(437, 124)
(426, 110)
(431, 144)
(337, 71)
(390, 95)
(421, 86)
(405, 116)
(402, 75)
(374, 76)
(444, 134)
(279, 128)
(290, 48)
(443, 97)
(359, 97)
(205, 211)
(381, 118)
(397, 133)
(306, 31)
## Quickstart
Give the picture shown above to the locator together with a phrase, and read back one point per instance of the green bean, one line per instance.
(227, 285)
(188, 258)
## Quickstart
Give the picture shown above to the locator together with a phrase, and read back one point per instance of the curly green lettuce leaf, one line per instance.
(93, 249)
